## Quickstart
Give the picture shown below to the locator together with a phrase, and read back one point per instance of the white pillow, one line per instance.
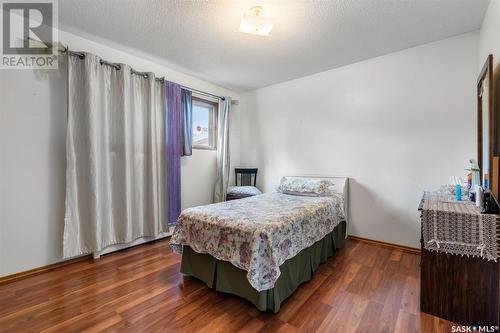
(306, 186)
(243, 190)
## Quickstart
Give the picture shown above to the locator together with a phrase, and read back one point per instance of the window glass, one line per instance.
(201, 123)
(204, 123)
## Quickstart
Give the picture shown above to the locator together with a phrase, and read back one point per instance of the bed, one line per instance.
(262, 248)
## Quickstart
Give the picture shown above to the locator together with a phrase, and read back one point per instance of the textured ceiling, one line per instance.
(201, 37)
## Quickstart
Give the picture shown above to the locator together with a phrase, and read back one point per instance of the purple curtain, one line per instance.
(174, 146)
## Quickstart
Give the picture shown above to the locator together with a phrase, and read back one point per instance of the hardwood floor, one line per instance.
(364, 288)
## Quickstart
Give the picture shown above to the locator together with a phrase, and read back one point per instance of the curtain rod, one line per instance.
(203, 93)
(81, 55)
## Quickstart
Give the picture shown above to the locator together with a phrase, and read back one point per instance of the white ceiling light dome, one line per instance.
(254, 23)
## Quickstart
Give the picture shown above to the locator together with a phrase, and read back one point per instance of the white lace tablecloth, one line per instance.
(458, 228)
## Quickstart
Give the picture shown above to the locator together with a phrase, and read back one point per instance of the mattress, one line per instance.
(258, 234)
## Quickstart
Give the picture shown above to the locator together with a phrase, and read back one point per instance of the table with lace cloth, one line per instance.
(458, 227)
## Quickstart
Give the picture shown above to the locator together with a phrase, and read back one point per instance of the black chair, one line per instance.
(245, 180)
(245, 176)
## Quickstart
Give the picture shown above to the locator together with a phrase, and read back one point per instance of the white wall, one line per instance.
(397, 125)
(32, 155)
(489, 37)
(489, 43)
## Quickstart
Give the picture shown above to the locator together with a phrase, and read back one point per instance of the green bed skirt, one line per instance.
(225, 277)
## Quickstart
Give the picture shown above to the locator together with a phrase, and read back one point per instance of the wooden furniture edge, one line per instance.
(35, 271)
(386, 244)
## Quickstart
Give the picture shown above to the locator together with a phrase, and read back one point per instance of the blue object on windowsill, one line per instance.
(458, 192)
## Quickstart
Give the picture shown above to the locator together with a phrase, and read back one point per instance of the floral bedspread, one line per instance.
(259, 233)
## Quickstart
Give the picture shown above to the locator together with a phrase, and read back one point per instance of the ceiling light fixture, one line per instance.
(254, 23)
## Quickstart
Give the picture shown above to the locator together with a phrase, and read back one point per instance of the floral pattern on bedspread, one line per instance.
(259, 233)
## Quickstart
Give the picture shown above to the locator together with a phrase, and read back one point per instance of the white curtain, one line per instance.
(223, 165)
(115, 177)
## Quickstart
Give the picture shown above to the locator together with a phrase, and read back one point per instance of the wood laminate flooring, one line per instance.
(365, 287)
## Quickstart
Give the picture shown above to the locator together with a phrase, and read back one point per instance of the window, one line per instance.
(204, 123)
